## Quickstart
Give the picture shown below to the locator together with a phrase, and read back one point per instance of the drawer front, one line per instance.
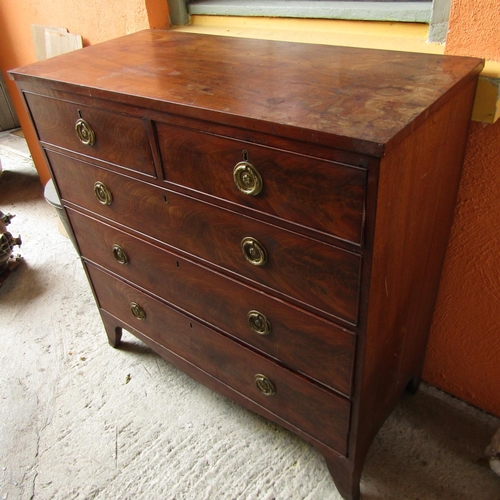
(118, 139)
(325, 196)
(313, 273)
(316, 411)
(302, 341)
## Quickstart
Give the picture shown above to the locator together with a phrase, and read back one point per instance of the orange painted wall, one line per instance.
(463, 357)
(474, 29)
(94, 20)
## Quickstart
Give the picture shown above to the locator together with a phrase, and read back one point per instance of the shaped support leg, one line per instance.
(113, 332)
(345, 476)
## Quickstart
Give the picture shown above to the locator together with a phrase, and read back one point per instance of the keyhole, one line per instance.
(245, 155)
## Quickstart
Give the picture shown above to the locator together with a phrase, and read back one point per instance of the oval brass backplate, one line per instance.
(259, 323)
(247, 178)
(84, 132)
(138, 311)
(265, 385)
(102, 193)
(254, 251)
(120, 255)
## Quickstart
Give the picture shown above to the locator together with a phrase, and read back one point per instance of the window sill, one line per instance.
(407, 37)
(416, 12)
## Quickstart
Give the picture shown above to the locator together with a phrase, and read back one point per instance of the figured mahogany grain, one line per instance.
(356, 99)
(119, 139)
(315, 410)
(325, 196)
(326, 353)
(320, 276)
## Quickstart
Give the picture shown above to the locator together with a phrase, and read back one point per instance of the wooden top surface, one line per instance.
(365, 98)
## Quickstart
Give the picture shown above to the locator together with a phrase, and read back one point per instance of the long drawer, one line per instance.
(315, 410)
(113, 133)
(323, 195)
(319, 276)
(326, 353)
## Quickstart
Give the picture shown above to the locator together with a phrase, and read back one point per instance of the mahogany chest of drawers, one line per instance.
(270, 217)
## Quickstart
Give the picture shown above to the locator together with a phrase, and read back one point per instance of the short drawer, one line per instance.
(118, 139)
(317, 411)
(300, 340)
(318, 275)
(326, 196)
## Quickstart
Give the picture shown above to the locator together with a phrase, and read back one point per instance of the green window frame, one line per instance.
(432, 12)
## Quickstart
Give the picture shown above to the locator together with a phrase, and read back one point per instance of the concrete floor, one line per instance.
(80, 420)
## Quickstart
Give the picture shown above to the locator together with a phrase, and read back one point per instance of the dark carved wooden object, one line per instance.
(270, 217)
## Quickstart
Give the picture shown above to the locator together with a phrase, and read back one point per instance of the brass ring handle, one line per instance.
(247, 178)
(265, 385)
(84, 132)
(254, 251)
(102, 193)
(138, 311)
(120, 255)
(259, 323)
